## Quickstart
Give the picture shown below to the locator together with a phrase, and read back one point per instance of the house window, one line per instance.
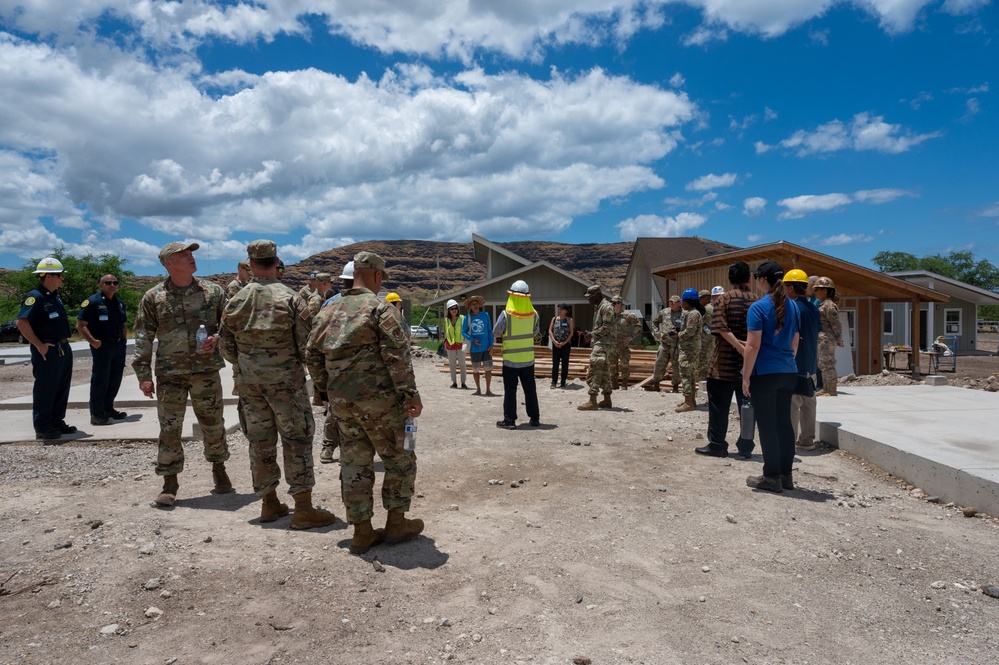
(952, 322)
(889, 322)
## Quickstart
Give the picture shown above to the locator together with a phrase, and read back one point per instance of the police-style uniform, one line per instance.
(48, 320)
(106, 322)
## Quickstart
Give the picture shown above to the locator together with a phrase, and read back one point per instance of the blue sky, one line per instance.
(850, 127)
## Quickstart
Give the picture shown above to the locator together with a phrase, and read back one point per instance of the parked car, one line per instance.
(418, 332)
(10, 333)
(433, 331)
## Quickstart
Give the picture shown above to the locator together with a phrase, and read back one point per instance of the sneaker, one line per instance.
(553, 386)
(563, 384)
(454, 385)
(464, 387)
(806, 446)
(326, 455)
(101, 420)
(765, 483)
(507, 424)
(118, 415)
(63, 428)
(534, 422)
(711, 452)
(787, 481)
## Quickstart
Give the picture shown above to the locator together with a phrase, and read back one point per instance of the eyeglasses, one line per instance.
(111, 283)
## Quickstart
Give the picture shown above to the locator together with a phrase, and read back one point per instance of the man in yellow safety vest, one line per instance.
(515, 328)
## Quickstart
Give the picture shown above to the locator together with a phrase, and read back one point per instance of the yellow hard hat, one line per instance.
(47, 265)
(796, 275)
(393, 297)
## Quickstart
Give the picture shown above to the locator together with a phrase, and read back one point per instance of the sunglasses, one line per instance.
(450, 308)
(111, 283)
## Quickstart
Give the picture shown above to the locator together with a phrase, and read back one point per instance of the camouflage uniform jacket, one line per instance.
(663, 326)
(625, 325)
(358, 352)
(706, 324)
(172, 315)
(832, 329)
(306, 292)
(233, 287)
(690, 331)
(315, 301)
(603, 324)
(264, 330)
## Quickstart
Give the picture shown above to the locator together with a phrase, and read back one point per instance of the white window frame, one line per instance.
(888, 322)
(947, 323)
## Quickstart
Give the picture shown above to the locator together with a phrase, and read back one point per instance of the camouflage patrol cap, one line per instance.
(245, 265)
(593, 290)
(369, 261)
(674, 298)
(261, 249)
(172, 248)
(704, 293)
(616, 300)
(323, 277)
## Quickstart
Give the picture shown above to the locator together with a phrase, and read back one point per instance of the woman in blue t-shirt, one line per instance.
(769, 375)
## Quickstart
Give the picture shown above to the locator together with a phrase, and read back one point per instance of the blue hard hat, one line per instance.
(690, 294)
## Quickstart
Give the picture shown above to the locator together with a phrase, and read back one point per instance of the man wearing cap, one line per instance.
(359, 353)
(44, 323)
(171, 312)
(626, 327)
(728, 326)
(664, 331)
(331, 434)
(264, 330)
(243, 275)
(323, 281)
(707, 339)
(309, 289)
(102, 324)
(600, 338)
(515, 329)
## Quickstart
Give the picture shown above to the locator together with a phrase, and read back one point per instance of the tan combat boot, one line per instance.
(365, 538)
(307, 517)
(605, 403)
(222, 483)
(652, 387)
(589, 406)
(614, 383)
(687, 405)
(272, 509)
(169, 494)
(398, 528)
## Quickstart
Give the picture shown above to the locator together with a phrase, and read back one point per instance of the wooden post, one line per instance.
(915, 341)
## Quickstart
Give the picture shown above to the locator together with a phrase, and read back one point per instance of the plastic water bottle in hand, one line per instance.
(748, 418)
(200, 338)
(411, 428)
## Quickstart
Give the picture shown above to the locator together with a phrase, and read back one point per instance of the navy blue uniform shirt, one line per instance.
(105, 318)
(45, 313)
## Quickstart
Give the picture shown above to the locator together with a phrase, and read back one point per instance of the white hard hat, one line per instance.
(47, 265)
(717, 291)
(452, 303)
(521, 287)
(348, 271)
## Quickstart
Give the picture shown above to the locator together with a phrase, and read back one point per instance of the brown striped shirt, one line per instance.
(730, 315)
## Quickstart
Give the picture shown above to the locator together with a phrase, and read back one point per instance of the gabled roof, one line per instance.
(481, 247)
(850, 278)
(952, 287)
(512, 277)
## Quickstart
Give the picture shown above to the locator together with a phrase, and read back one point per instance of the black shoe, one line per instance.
(506, 424)
(101, 420)
(48, 436)
(63, 428)
(711, 452)
(768, 483)
(534, 422)
(454, 385)
(787, 481)
(563, 384)
(554, 385)
(464, 387)
(745, 453)
(118, 415)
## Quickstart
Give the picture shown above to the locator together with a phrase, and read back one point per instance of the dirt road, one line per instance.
(598, 536)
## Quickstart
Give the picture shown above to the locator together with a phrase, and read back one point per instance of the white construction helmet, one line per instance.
(47, 265)
(520, 287)
(452, 303)
(717, 291)
(348, 271)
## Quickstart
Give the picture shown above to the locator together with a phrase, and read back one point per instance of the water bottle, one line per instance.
(411, 428)
(748, 421)
(200, 338)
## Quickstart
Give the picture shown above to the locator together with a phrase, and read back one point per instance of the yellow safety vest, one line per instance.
(452, 333)
(518, 339)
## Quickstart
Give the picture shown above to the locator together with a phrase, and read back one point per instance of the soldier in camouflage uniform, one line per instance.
(626, 328)
(600, 338)
(689, 341)
(264, 330)
(319, 296)
(310, 288)
(171, 312)
(358, 350)
(830, 336)
(664, 331)
(243, 276)
(707, 339)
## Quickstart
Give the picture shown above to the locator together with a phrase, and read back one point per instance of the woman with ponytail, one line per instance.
(769, 375)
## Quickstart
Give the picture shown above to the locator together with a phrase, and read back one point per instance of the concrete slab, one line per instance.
(939, 438)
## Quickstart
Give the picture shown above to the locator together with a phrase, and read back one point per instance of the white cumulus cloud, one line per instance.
(799, 206)
(711, 181)
(655, 226)
(753, 206)
(864, 132)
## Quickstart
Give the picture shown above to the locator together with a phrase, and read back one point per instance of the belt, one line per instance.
(55, 341)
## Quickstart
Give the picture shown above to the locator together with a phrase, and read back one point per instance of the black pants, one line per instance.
(719, 404)
(50, 394)
(526, 377)
(560, 355)
(105, 377)
(771, 397)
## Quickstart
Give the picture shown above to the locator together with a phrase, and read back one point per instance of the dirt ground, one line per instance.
(597, 538)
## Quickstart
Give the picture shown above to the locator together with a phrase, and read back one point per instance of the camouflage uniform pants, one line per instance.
(361, 436)
(688, 366)
(704, 356)
(613, 360)
(205, 389)
(331, 433)
(267, 410)
(664, 356)
(625, 357)
(827, 361)
(598, 374)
